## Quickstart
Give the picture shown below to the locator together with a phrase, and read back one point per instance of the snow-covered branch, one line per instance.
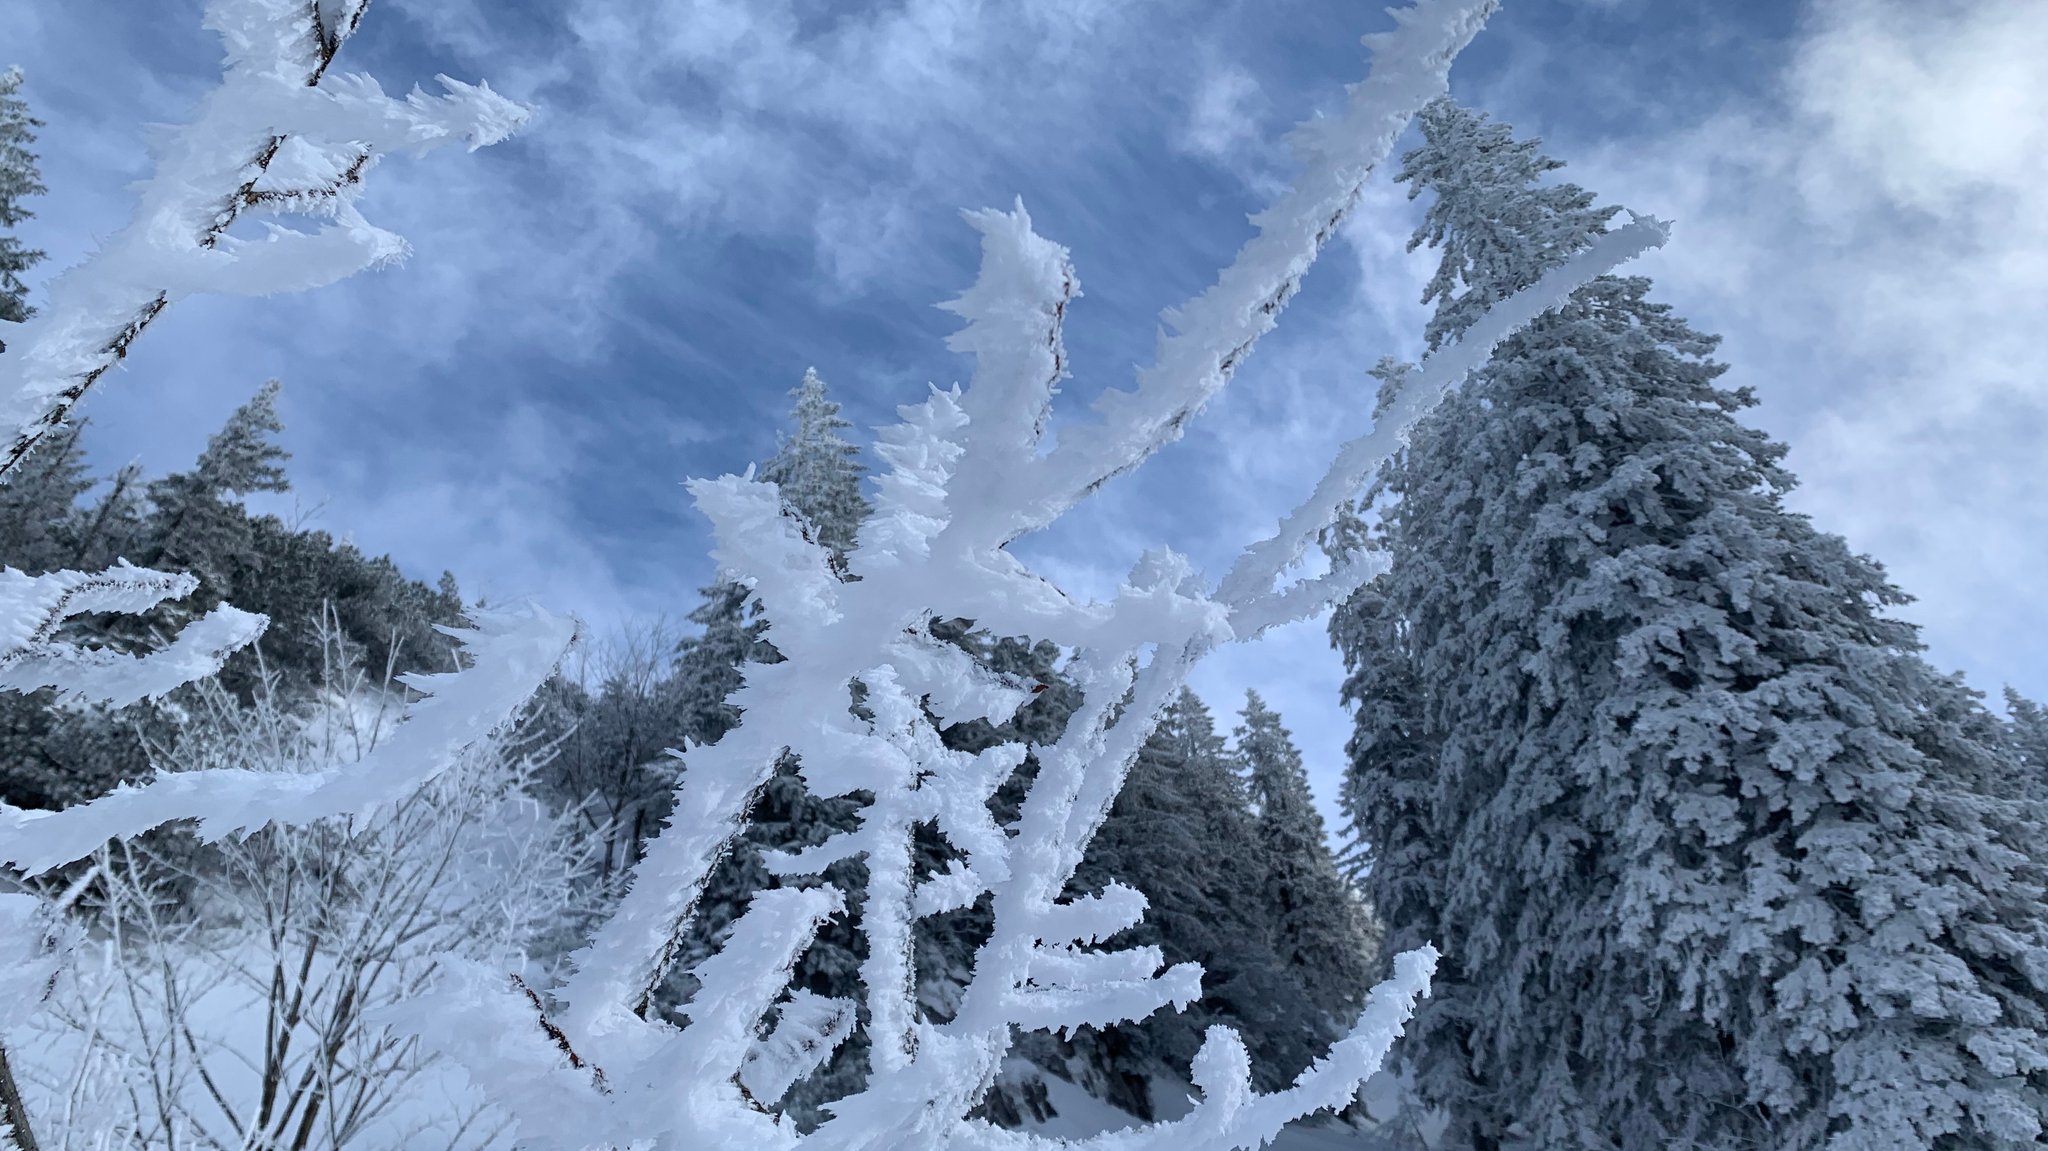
(511, 652)
(865, 685)
(279, 136)
(33, 608)
(966, 476)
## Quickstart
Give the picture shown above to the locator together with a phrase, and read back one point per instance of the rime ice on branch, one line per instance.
(966, 477)
(280, 136)
(509, 653)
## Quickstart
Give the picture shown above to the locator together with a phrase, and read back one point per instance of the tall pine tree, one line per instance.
(1319, 929)
(20, 178)
(1722, 862)
(1182, 832)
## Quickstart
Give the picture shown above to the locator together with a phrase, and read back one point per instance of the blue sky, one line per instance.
(717, 193)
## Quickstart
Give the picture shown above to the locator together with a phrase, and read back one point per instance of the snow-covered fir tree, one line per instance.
(1723, 862)
(1319, 929)
(818, 471)
(20, 179)
(819, 474)
(2027, 722)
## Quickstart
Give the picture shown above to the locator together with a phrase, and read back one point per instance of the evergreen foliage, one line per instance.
(1719, 861)
(310, 586)
(818, 471)
(196, 521)
(1183, 833)
(41, 525)
(1319, 929)
(2028, 724)
(20, 179)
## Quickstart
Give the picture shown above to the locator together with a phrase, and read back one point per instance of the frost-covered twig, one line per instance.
(510, 651)
(32, 608)
(279, 136)
(35, 941)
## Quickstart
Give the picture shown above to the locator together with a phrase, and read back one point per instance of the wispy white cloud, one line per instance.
(1223, 118)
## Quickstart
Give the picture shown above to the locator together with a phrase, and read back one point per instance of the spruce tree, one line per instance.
(2027, 724)
(818, 471)
(196, 523)
(1319, 930)
(1182, 832)
(19, 179)
(1721, 862)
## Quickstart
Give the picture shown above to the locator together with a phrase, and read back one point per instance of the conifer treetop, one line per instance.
(20, 179)
(817, 471)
